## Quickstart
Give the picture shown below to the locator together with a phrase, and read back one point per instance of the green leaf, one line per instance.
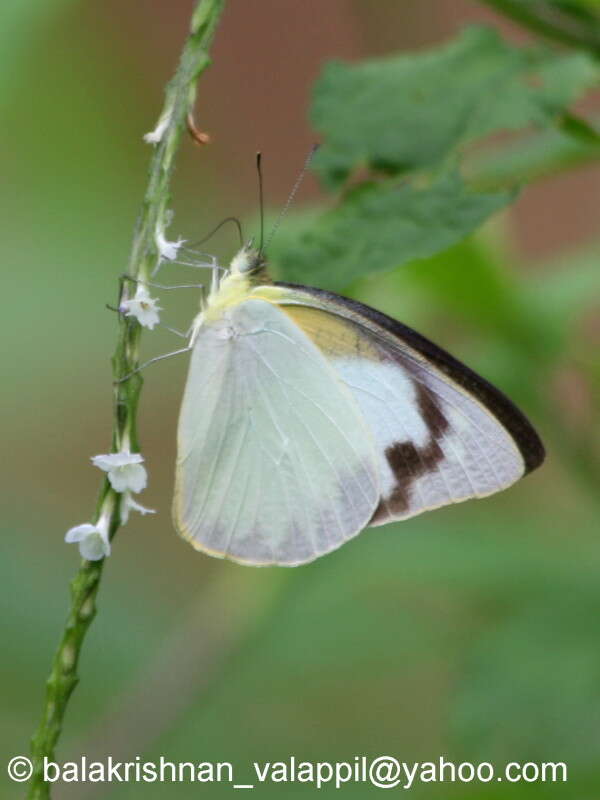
(412, 111)
(379, 227)
(537, 94)
(531, 157)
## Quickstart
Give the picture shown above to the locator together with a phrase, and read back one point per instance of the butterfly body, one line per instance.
(308, 416)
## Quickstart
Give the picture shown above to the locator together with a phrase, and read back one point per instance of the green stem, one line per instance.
(581, 29)
(179, 100)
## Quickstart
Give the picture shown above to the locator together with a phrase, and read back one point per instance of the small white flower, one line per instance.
(92, 539)
(143, 307)
(155, 136)
(129, 504)
(167, 250)
(125, 470)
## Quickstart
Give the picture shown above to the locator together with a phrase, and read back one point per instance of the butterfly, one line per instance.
(308, 417)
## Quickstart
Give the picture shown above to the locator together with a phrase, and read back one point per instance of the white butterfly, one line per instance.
(308, 417)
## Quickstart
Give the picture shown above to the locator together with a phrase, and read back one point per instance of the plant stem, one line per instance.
(179, 100)
(579, 29)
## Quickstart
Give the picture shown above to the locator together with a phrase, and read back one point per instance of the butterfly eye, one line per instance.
(247, 260)
(255, 262)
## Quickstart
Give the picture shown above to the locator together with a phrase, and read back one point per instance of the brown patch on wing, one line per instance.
(409, 462)
(431, 411)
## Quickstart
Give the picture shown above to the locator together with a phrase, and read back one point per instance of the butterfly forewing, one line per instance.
(442, 433)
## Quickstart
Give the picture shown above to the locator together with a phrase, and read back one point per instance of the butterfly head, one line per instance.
(247, 261)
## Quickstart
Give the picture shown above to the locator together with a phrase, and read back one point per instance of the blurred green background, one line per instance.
(471, 632)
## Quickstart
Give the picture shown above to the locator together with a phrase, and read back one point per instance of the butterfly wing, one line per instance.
(443, 434)
(275, 464)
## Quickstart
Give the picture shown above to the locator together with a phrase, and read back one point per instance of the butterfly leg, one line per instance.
(153, 361)
(210, 259)
(163, 286)
(181, 334)
(211, 264)
(218, 272)
(204, 261)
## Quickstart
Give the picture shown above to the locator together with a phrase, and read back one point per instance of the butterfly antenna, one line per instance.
(292, 194)
(260, 201)
(237, 223)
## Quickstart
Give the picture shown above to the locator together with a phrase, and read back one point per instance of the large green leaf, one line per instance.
(415, 114)
(412, 111)
(379, 227)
